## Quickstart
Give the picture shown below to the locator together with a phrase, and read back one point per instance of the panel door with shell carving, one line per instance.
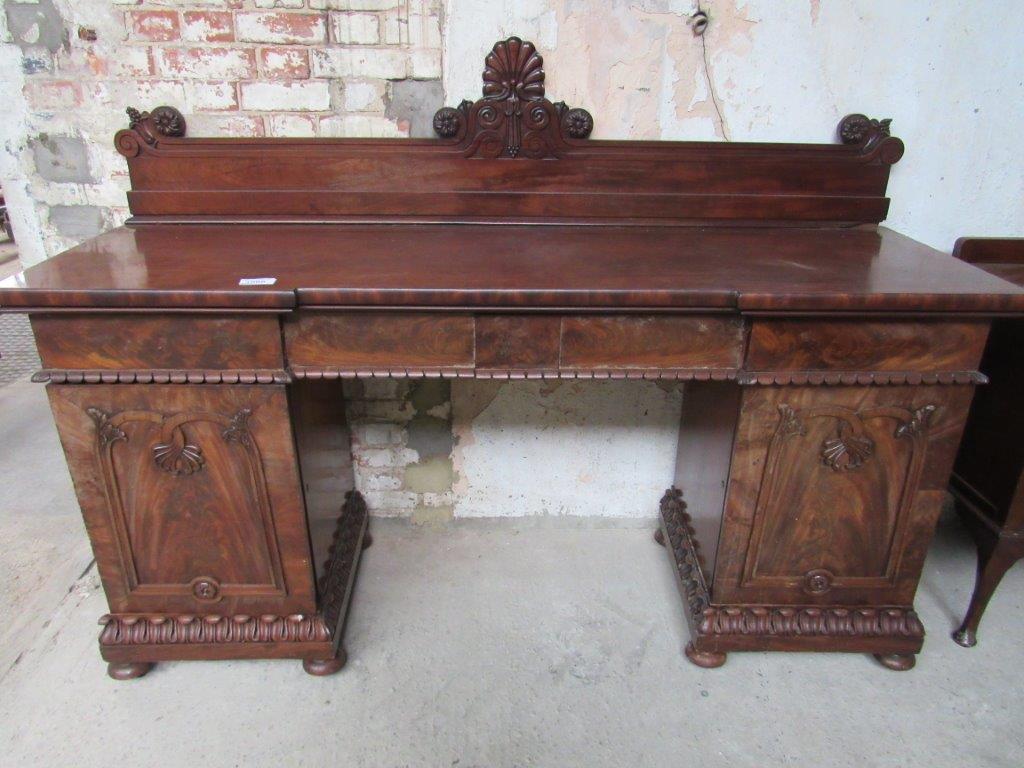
(191, 495)
(834, 492)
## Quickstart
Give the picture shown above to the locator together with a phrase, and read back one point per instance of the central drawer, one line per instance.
(369, 341)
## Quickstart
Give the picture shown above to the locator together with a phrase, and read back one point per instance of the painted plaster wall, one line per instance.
(949, 73)
(69, 68)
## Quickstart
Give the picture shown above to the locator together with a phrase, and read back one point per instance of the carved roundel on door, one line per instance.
(818, 581)
(205, 589)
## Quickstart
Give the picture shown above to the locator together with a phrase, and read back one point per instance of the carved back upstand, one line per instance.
(194, 360)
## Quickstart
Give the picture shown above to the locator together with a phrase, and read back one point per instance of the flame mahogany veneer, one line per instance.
(194, 358)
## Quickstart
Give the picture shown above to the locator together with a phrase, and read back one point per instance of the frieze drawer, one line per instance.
(866, 345)
(167, 342)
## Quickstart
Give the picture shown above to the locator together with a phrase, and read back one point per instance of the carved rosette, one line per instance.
(872, 136)
(513, 119)
(818, 582)
(206, 589)
(147, 128)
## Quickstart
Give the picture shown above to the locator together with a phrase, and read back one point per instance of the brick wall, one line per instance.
(233, 67)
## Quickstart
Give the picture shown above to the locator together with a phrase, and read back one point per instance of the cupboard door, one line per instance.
(191, 495)
(834, 492)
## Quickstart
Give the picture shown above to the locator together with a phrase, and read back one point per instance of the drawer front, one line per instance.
(666, 341)
(525, 342)
(510, 342)
(859, 345)
(381, 340)
(191, 496)
(158, 342)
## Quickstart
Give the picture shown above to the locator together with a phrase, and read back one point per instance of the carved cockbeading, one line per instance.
(513, 119)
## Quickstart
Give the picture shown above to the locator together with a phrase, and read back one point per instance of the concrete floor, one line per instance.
(513, 643)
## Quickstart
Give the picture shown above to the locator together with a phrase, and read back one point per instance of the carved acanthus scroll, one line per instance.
(150, 127)
(871, 134)
(513, 118)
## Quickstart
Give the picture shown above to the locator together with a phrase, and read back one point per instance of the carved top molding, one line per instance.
(513, 119)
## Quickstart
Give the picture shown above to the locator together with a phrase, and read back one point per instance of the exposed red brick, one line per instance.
(157, 26)
(52, 94)
(279, 62)
(280, 27)
(208, 26)
(128, 61)
(206, 62)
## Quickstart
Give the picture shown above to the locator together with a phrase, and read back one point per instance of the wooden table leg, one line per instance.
(995, 557)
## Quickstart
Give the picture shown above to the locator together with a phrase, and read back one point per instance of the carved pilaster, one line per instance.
(340, 569)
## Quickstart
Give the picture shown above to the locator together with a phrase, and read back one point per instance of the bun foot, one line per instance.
(367, 539)
(965, 637)
(659, 536)
(128, 670)
(705, 659)
(900, 662)
(324, 667)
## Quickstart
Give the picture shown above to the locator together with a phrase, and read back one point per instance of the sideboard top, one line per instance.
(742, 269)
(514, 206)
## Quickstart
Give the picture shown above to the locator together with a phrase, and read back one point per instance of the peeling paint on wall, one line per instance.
(563, 448)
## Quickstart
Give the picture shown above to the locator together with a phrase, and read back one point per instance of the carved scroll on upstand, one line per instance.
(162, 122)
(513, 119)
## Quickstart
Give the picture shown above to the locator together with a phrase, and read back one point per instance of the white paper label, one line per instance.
(257, 281)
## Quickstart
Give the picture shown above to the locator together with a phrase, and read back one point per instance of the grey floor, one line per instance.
(482, 644)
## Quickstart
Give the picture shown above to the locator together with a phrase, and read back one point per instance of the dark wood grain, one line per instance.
(168, 342)
(513, 266)
(512, 248)
(380, 339)
(703, 459)
(514, 155)
(512, 342)
(651, 342)
(191, 496)
(839, 345)
(986, 251)
(988, 476)
(847, 481)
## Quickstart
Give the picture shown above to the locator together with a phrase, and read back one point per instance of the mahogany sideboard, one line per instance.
(988, 475)
(194, 358)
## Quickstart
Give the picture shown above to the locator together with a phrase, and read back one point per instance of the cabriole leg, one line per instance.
(994, 559)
